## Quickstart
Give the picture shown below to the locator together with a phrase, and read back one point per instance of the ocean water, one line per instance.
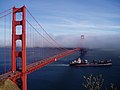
(60, 76)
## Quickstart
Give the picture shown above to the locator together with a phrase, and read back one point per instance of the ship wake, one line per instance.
(59, 65)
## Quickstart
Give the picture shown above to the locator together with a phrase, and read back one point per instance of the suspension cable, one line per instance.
(40, 33)
(5, 15)
(44, 30)
(5, 11)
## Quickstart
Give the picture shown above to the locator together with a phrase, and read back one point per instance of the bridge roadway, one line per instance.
(36, 65)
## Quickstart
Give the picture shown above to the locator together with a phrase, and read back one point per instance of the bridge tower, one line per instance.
(22, 37)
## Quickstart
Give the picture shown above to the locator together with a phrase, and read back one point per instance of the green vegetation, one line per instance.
(96, 83)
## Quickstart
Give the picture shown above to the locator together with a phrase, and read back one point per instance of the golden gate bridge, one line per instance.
(23, 59)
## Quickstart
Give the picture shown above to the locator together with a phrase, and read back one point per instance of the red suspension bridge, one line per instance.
(25, 58)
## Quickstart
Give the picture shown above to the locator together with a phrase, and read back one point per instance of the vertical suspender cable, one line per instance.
(45, 31)
(10, 39)
(33, 47)
(30, 45)
(4, 44)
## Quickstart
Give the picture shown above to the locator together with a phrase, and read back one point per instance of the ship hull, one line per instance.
(90, 65)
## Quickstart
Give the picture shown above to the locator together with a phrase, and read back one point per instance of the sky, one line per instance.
(67, 20)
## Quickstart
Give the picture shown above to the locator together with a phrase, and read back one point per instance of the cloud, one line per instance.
(66, 25)
(66, 20)
(82, 25)
(90, 41)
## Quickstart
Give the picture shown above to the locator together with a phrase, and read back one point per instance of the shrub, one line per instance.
(96, 83)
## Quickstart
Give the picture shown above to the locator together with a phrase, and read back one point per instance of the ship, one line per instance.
(94, 63)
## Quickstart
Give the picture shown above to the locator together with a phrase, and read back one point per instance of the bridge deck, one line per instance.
(36, 65)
